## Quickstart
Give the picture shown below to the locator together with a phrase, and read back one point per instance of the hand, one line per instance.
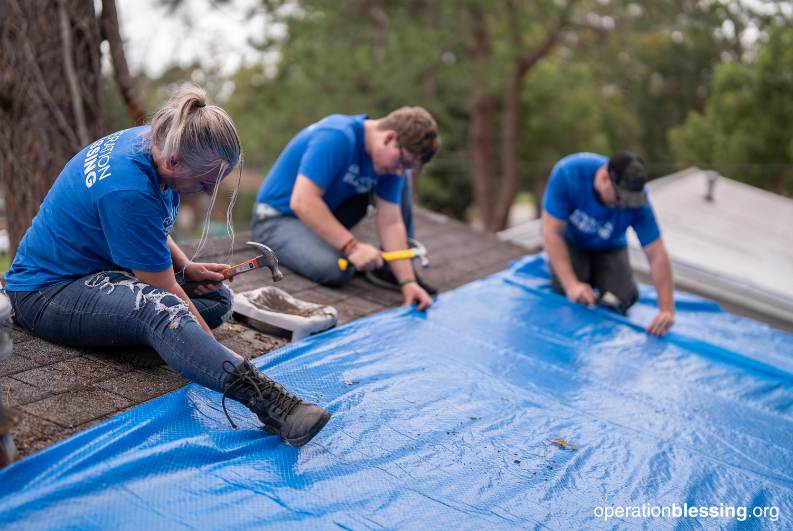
(365, 257)
(415, 294)
(662, 323)
(582, 293)
(206, 275)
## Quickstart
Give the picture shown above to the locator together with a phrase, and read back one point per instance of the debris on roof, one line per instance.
(59, 391)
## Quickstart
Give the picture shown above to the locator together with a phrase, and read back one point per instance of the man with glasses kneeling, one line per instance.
(589, 203)
(322, 184)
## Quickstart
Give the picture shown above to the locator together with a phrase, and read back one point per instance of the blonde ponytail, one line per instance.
(204, 139)
(201, 136)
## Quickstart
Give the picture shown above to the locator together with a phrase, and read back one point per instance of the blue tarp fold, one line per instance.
(504, 406)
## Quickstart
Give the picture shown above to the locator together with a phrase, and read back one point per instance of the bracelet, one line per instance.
(348, 247)
(404, 283)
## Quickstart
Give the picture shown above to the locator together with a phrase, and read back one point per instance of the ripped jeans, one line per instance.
(113, 308)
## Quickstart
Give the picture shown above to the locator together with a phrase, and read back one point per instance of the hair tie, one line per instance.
(200, 104)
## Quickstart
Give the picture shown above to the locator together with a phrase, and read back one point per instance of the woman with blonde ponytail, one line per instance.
(98, 266)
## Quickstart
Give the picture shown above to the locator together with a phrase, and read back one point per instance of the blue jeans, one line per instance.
(112, 308)
(306, 253)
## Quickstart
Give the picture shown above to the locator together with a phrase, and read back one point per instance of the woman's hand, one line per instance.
(207, 276)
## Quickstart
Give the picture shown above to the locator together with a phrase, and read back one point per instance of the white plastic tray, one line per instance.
(273, 307)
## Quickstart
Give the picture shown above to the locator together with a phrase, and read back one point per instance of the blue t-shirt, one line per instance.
(591, 225)
(331, 153)
(105, 211)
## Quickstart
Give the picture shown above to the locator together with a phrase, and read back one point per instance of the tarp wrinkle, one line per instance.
(504, 406)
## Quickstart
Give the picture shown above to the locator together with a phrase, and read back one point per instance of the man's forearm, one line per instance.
(314, 212)
(394, 238)
(559, 257)
(661, 274)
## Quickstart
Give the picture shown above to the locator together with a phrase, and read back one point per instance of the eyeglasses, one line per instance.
(403, 162)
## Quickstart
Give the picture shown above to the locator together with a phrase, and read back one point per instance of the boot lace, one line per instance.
(246, 379)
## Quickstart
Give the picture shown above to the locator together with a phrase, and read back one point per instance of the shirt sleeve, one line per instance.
(326, 156)
(389, 188)
(135, 230)
(556, 200)
(646, 227)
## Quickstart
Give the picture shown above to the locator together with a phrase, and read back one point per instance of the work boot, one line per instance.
(281, 412)
(610, 301)
(385, 278)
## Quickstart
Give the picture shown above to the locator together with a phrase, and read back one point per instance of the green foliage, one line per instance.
(625, 75)
(744, 131)
(335, 60)
(565, 112)
(660, 58)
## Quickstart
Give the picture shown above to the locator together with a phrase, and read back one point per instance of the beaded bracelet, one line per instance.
(347, 248)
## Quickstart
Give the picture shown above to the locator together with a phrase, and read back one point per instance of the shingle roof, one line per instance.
(58, 391)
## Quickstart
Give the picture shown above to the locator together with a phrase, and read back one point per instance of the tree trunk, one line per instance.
(481, 137)
(49, 103)
(482, 147)
(125, 81)
(494, 196)
(510, 127)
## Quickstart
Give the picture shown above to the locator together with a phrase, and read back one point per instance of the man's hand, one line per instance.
(365, 257)
(582, 293)
(206, 274)
(661, 274)
(662, 323)
(415, 294)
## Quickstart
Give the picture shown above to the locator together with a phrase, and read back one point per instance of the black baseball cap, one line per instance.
(627, 172)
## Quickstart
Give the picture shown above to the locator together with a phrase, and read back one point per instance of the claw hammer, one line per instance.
(267, 259)
(416, 251)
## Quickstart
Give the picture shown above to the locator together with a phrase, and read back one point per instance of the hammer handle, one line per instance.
(232, 271)
(388, 256)
(247, 265)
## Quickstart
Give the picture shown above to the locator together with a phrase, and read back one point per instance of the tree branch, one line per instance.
(512, 111)
(41, 83)
(71, 74)
(126, 83)
(526, 62)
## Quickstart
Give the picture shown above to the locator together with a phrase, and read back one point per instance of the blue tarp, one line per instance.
(504, 406)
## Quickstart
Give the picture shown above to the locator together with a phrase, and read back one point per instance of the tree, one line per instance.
(49, 109)
(744, 130)
(520, 31)
(50, 82)
(466, 61)
(628, 70)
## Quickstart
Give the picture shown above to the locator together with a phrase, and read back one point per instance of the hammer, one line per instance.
(417, 251)
(267, 259)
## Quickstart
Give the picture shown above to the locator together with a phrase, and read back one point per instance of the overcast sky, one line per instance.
(155, 39)
(218, 35)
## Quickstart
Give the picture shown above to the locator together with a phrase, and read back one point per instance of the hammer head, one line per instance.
(269, 259)
(420, 251)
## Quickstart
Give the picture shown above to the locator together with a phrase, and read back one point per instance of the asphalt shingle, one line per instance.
(58, 391)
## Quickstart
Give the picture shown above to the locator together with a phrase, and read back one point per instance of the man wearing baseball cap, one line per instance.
(589, 203)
